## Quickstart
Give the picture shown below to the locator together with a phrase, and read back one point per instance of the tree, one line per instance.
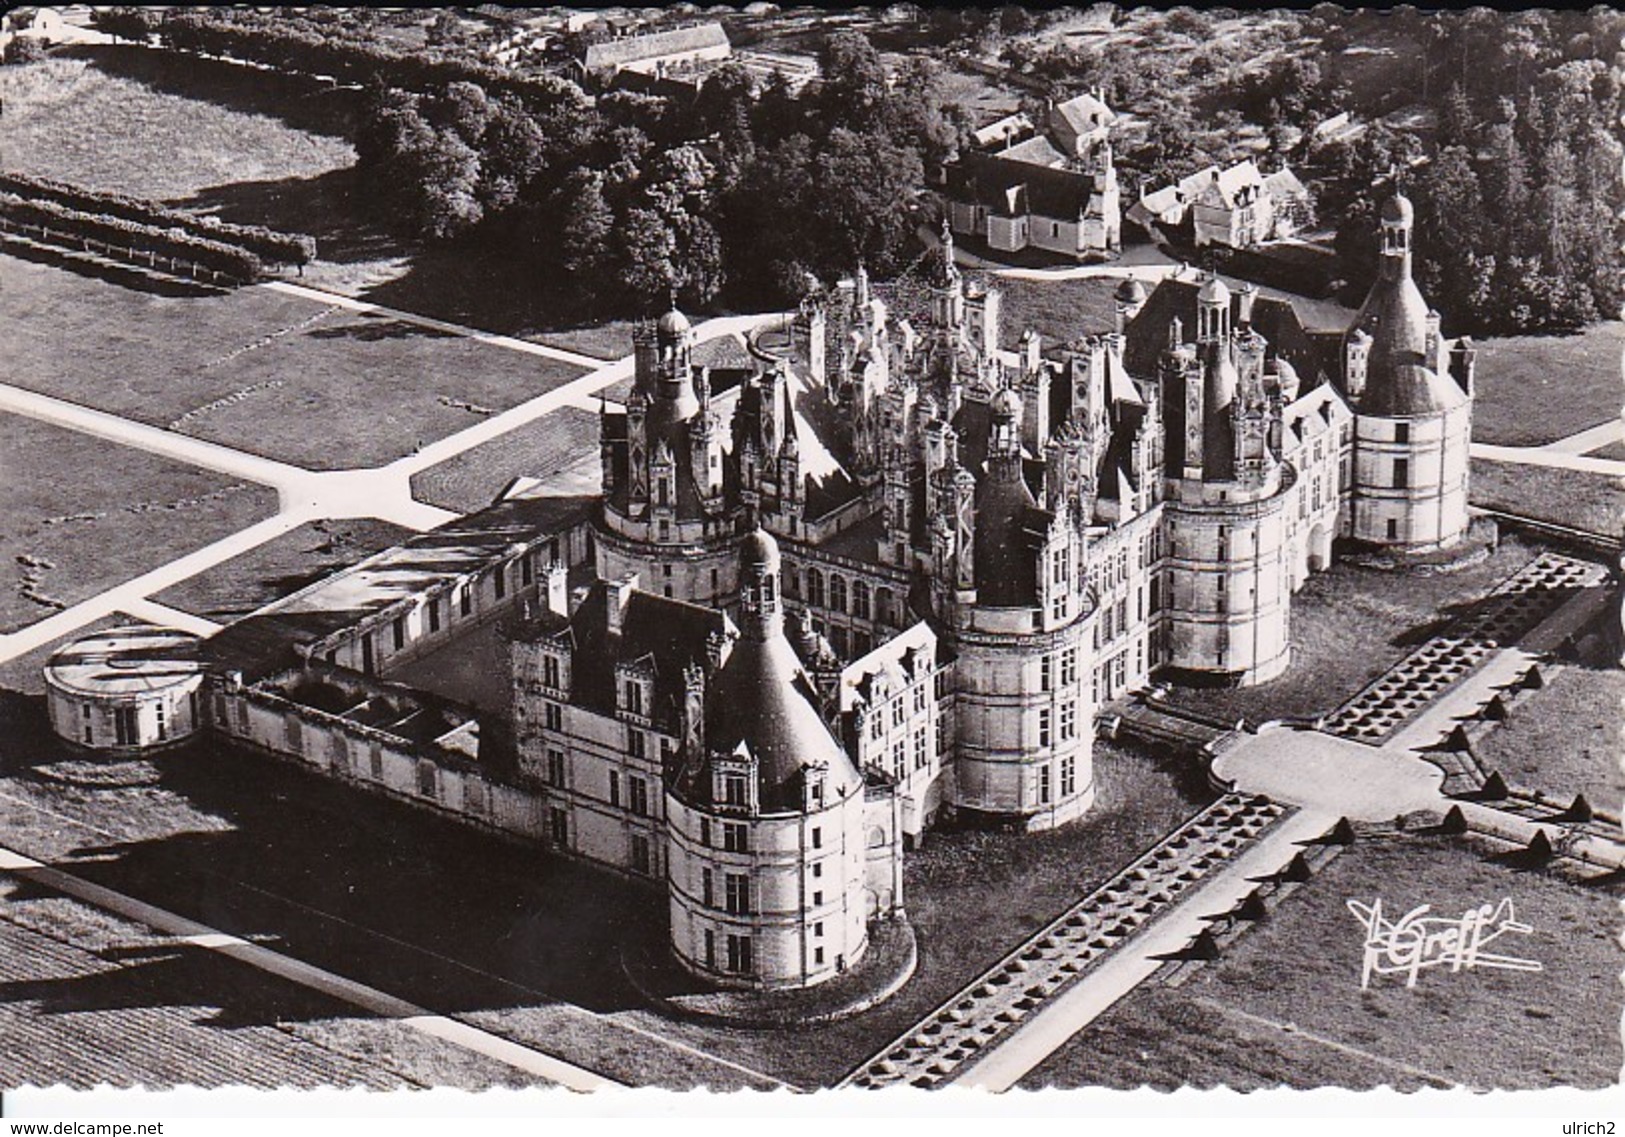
(852, 93)
(648, 248)
(24, 49)
(586, 238)
(122, 23)
(864, 187)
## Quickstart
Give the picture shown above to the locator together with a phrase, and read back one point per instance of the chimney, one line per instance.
(617, 595)
(556, 589)
(1247, 295)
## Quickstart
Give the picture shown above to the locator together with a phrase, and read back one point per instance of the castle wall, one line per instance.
(804, 912)
(1430, 457)
(422, 775)
(1227, 585)
(1024, 719)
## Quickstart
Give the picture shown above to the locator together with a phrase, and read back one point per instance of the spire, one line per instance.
(761, 616)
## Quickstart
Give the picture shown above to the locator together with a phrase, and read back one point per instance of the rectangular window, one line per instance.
(710, 948)
(739, 954)
(555, 768)
(426, 779)
(735, 838)
(1402, 473)
(920, 699)
(615, 787)
(434, 614)
(899, 711)
(526, 573)
(635, 744)
(634, 697)
(733, 790)
(641, 861)
(707, 897)
(552, 716)
(920, 750)
(126, 726)
(736, 893)
(897, 759)
(817, 837)
(1393, 529)
(1069, 667)
(818, 870)
(465, 599)
(163, 726)
(1069, 720)
(705, 832)
(499, 579)
(1043, 784)
(818, 955)
(1069, 776)
(551, 672)
(1043, 673)
(1043, 726)
(639, 792)
(1402, 432)
(398, 630)
(558, 826)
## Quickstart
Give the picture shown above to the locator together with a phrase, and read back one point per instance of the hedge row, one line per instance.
(131, 237)
(267, 244)
(292, 44)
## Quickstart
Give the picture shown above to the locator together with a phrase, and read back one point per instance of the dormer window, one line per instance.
(733, 790)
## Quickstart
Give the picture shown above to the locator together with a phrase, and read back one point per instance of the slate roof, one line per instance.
(636, 49)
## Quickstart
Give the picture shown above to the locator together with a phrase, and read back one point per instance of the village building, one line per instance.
(1236, 208)
(654, 54)
(1052, 188)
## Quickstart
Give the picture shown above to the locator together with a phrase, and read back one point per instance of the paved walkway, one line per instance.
(323, 296)
(1549, 458)
(368, 999)
(1589, 440)
(1133, 964)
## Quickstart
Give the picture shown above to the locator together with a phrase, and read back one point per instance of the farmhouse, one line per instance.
(1235, 208)
(656, 53)
(1053, 189)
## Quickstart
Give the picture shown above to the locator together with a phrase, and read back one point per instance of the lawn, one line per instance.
(560, 448)
(71, 119)
(1565, 738)
(79, 515)
(1576, 498)
(1284, 1004)
(282, 376)
(1535, 390)
(1349, 625)
(92, 998)
(1060, 311)
(280, 567)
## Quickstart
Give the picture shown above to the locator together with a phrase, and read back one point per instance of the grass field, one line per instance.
(561, 447)
(1284, 1004)
(92, 998)
(1060, 311)
(74, 120)
(280, 567)
(80, 515)
(1576, 498)
(1535, 390)
(1565, 738)
(276, 375)
(1349, 625)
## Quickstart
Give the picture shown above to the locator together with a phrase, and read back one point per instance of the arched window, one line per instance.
(837, 592)
(860, 600)
(884, 612)
(815, 587)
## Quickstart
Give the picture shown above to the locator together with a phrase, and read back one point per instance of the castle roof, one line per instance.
(1014, 188)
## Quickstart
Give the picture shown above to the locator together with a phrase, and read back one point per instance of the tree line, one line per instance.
(1518, 193)
(734, 195)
